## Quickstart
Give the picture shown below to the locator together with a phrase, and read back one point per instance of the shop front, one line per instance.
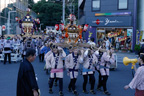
(119, 29)
(119, 37)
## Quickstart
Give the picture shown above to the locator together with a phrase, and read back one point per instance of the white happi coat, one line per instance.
(72, 64)
(106, 60)
(47, 54)
(138, 80)
(86, 63)
(51, 62)
(7, 44)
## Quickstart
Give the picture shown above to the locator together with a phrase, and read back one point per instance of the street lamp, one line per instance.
(8, 21)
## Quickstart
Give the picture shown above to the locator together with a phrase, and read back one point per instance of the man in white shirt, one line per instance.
(137, 82)
(7, 50)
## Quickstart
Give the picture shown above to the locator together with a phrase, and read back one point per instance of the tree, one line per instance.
(31, 3)
(50, 13)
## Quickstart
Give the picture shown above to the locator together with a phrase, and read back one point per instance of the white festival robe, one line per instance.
(106, 60)
(73, 65)
(51, 62)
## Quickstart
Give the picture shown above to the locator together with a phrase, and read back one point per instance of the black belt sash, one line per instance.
(56, 62)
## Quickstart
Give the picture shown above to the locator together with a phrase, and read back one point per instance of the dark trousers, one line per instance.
(5, 57)
(60, 83)
(41, 57)
(92, 82)
(103, 82)
(72, 84)
(99, 80)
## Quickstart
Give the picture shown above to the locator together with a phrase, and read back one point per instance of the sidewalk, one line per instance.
(121, 55)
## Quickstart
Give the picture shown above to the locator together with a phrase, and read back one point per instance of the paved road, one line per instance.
(116, 81)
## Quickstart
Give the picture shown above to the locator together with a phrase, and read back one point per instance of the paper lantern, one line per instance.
(57, 27)
(85, 27)
(16, 18)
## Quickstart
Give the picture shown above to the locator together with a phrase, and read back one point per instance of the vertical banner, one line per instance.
(138, 37)
(141, 35)
(0, 30)
(91, 33)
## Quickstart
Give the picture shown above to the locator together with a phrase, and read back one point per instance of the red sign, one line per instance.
(3, 27)
(16, 18)
(122, 39)
(114, 34)
(97, 21)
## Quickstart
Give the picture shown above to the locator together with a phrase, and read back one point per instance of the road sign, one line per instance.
(3, 27)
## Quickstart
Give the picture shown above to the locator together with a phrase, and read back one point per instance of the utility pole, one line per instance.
(78, 12)
(64, 12)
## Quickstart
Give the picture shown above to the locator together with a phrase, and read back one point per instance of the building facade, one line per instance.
(141, 19)
(115, 19)
(16, 8)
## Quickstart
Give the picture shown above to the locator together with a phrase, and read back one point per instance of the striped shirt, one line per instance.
(138, 80)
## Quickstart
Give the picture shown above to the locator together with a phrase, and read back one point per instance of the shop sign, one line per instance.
(90, 34)
(114, 34)
(113, 14)
(107, 21)
(97, 21)
(122, 39)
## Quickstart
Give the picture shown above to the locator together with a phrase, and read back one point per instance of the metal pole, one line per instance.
(40, 27)
(134, 24)
(64, 12)
(8, 21)
(78, 12)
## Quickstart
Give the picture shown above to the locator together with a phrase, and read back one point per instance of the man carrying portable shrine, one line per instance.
(90, 60)
(72, 62)
(55, 64)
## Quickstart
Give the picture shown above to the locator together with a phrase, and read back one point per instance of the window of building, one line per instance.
(122, 4)
(95, 5)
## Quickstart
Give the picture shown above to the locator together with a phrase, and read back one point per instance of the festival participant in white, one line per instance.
(72, 62)
(7, 50)
(106, 60)
(90, 61)
(56, 65)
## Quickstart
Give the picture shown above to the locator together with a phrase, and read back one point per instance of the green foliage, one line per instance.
(31, 2)
(137, 47)
(50, 13)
